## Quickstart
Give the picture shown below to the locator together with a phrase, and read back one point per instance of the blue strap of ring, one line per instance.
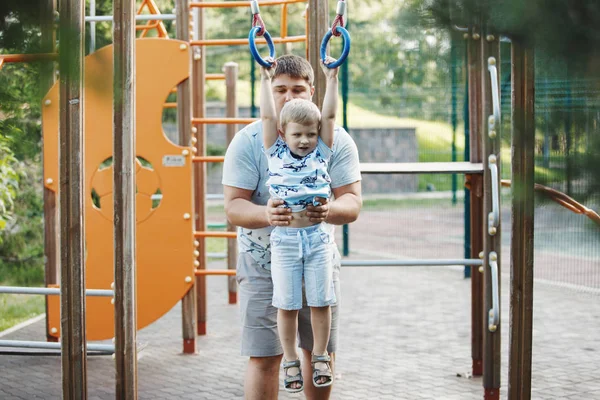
(345, 51)
(254, 50)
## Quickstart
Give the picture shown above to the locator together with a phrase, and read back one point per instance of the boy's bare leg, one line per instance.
(262, 378)
(287, 325)
(310, 391)
(320, 319)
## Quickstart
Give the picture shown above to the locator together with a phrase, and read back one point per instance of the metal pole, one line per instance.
(124, 198)
(344, 84)
(467, 198)
(141, 17)
(52, 291)
(92, 26)
(453, 105)
(410, 263)
(26, 344)
(72, 225)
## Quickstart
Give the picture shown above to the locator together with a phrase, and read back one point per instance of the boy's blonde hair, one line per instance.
(300, 111)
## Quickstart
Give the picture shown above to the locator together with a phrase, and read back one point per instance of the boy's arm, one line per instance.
(268, 114)
(330, 102)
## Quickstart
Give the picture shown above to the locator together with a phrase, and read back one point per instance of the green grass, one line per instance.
(16, 308)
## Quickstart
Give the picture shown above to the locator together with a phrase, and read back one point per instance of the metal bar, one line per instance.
(139, 17)
(232, 4)
(71, 221)
(422, 168)
(215, 272)
(522, 237)
(124, 184)
(242, 42)
(216, 255)
(52, 291)
(494, 312)
(13, 58)
(203, 159)
(215, 77)
(214, 234)
(212, 196)
(494, 215)
(27, 344)
(229, 120)
(495, 90)
(410, 263)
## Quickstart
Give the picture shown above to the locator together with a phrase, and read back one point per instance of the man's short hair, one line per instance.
(296, 67)
(300, 111)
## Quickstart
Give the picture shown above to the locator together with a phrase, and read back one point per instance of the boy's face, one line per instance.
(286, 88)
(300, 138)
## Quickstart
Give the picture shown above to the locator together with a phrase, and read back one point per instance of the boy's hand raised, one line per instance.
(329, 72)
(267, 73)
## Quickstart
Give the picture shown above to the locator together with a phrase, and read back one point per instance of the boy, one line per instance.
(298, 156)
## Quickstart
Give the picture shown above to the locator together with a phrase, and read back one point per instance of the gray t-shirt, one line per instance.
(246, 167)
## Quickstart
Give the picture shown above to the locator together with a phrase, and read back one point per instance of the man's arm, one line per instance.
(343, 210)
(242, 212)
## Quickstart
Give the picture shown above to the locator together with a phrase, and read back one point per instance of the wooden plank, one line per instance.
(47, 79)
(491, 339)
(521, 266)
(231, 74)
(318, 24)
(124, 189)
(72, 225)
(184, 122)
(199, 111)
(422, 168)
(476, 196)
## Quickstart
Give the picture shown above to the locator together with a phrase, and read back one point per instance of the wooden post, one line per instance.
(521, 268)
(72, 225)
(124, 189)
(318, 24)
(199, 111)
(231, 74)
(476, 197)
(184, 122)
(491, 243)
(47, 74)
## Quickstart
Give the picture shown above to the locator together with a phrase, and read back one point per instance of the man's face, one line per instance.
(301, 139)
(286, 88)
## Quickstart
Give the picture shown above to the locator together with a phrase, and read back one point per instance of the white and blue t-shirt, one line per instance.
(246, 167)
(298, 180)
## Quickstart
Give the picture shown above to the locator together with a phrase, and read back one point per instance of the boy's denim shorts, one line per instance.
(299, 254)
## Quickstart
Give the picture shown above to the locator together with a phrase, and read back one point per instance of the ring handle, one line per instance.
(254, 51)
(345, 50)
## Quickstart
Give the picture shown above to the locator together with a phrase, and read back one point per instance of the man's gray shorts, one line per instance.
(259, 317)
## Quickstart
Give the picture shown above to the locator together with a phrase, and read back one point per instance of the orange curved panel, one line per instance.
(165, 242)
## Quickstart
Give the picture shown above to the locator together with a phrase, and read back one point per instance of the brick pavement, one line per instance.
(405, 335)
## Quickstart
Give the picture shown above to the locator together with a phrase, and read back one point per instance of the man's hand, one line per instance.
(278, 216)
(318, 213)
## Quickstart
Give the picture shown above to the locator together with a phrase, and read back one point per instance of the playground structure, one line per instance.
(482, 175)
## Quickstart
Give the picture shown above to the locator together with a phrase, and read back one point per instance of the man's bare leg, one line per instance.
(262, 378)
(312, 392)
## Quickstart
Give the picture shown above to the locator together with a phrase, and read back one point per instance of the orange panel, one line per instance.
(165, 243)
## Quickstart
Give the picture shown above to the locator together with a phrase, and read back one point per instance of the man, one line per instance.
(247, 205)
